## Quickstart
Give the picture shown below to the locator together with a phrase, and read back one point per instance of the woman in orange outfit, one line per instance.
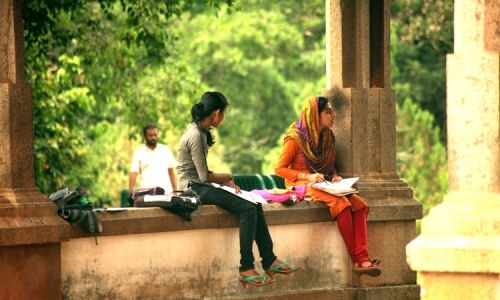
(308, 156)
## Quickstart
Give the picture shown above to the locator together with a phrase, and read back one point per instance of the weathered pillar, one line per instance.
(458, 252)
(16, 123)
(30, 230)
(358, 81)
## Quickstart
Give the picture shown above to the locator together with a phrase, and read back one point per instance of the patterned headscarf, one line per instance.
(318, 147)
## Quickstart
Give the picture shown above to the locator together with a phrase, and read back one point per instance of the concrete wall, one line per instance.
(199, 263)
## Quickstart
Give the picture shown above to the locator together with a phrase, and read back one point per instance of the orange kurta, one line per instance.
(291, 162)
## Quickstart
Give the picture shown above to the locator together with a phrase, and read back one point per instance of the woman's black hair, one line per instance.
(322, 102)
(209, 102)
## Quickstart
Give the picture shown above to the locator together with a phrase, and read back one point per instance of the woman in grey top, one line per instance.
(193, 171)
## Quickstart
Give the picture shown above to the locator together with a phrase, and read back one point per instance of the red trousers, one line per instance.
(352, 227)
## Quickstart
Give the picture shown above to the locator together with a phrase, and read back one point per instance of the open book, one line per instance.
(249, 196)
(341, 188)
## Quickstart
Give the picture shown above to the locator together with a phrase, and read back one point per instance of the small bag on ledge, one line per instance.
(181, 203)
(75, 208)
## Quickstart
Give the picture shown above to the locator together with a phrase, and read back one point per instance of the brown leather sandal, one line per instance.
(376, 261)
(370, 270)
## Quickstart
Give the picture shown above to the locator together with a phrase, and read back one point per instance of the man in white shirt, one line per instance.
(155, 162)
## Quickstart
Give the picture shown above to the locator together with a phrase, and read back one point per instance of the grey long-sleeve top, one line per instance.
(192, 156)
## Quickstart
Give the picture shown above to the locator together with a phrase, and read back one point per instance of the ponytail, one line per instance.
(197, 112)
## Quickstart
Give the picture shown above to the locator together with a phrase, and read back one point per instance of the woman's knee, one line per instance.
(346, 211)
(249, 210)
(364, 209)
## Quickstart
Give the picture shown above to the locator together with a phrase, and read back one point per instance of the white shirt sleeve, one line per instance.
(136, 164)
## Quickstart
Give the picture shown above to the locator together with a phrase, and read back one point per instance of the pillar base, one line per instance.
(31, 272)
(25, 203)
(391, 200)
(460, 236)
(438, 285)
(21, 196)
(391, 187)
(29, 217)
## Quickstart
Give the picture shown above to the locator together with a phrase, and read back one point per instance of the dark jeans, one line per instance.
(253, 225)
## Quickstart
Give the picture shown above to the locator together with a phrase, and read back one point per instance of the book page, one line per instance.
(249, 196)
(152, 198)
(344, 184)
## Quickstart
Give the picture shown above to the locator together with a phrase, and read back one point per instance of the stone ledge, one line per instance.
(151, 220)
(17, 227)
(36, 223)
(371, 293)
(32, 230)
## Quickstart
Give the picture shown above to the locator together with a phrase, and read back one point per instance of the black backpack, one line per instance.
(74, 207)
(181, 203)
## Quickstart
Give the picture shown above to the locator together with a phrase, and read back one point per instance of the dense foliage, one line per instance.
(101, 70)
(422, 36)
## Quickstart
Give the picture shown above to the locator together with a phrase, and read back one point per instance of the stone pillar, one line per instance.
(460, 240)
(16, 123)
(358, 82)
(30, 230)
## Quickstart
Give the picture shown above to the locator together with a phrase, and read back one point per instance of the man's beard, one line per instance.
(151, 143)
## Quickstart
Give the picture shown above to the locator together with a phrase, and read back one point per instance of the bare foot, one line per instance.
(367, 268)
(285, 266)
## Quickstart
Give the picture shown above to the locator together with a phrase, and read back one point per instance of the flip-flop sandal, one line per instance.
(376, 261)
(251, 280)
(279, 269)
(372, 270)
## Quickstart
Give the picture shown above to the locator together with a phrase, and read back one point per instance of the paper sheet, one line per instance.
(344, 184)
(151, 198)
(341, 188)
(249, 196)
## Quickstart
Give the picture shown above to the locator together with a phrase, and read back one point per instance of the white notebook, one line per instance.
(341, 188)
(249, 196)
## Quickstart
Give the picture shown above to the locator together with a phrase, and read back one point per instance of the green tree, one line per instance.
(422, 35)
(85, 61)
(421, 157)
(102, 69)
(62, 100)
(251, 57)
